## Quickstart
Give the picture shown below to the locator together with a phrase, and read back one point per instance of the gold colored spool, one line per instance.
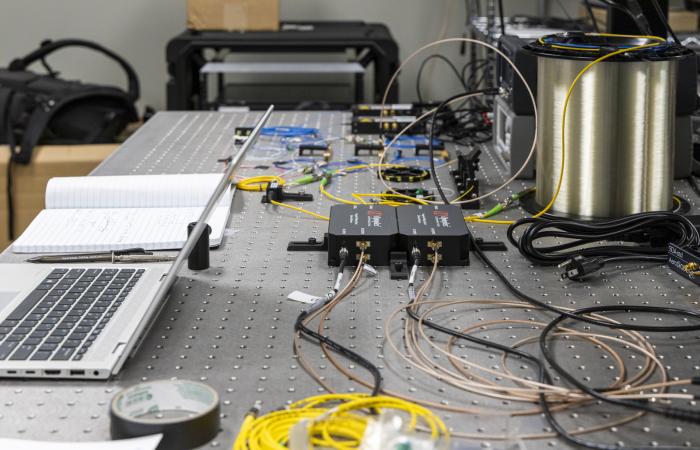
(619, 136)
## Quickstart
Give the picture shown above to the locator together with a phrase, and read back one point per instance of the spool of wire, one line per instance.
(619, 130)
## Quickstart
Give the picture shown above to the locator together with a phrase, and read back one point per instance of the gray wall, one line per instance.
(139, 30)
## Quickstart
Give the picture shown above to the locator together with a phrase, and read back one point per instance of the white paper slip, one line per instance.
(116, 213)
(140, 443)
(301, 297)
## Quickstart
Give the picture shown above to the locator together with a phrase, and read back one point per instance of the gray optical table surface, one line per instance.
(231, 326)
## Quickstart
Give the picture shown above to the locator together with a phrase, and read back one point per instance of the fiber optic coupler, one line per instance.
(275, 192)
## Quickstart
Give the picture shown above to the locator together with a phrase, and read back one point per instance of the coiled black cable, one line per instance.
(649, 233)
(686, 314)
(671, 412)
(582, 315)
(544, 375)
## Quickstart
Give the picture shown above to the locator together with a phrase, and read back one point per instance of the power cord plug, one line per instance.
(578, 267)
(592, 244)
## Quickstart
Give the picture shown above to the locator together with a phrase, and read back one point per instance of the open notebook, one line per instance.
(85, 214)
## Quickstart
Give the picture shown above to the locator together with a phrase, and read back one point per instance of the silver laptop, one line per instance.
(75, 321)
(84, 322)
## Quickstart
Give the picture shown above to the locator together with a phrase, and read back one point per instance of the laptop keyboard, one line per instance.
(61, 318)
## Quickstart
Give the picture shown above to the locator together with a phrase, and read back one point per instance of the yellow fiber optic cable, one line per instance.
(359, 196)
(302, 210)
(259, 183)
(333, 421)
(332, 197)
(464, 194)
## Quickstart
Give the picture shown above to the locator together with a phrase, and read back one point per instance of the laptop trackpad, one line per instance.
(6, 298)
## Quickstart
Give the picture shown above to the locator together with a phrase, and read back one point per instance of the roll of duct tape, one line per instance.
(185, 412)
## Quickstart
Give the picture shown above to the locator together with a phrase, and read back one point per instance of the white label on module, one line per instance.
(442, 219)
(395, 106)
(397, 119)
(374, 218)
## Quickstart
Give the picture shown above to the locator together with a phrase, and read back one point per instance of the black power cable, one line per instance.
(686, 314)
(571, 439)
(501, 16)
(543, 374)
(465, 126)
(651, 232)
(549, 415)
(583, 317)
(664, 20)
(589, 8)
(333, 345)
(422, 67)
(476, 65)
(671, 412)
(12, 144)
(341, 350)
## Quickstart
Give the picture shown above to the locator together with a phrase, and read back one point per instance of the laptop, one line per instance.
(75, 321)
(83, 322)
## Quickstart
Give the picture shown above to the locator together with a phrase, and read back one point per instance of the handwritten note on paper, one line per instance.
(86, 214)
(104, 229)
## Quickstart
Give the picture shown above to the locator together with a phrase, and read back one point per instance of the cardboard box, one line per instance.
(233, 15)
(30, 181)
(681, 21)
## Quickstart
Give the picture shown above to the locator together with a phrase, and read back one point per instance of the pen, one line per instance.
(142, 258)
(131, 255)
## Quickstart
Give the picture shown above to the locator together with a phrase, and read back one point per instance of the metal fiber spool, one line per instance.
(619, 127)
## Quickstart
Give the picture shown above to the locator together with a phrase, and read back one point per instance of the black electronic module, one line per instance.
(435, 229)
(371, 228)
